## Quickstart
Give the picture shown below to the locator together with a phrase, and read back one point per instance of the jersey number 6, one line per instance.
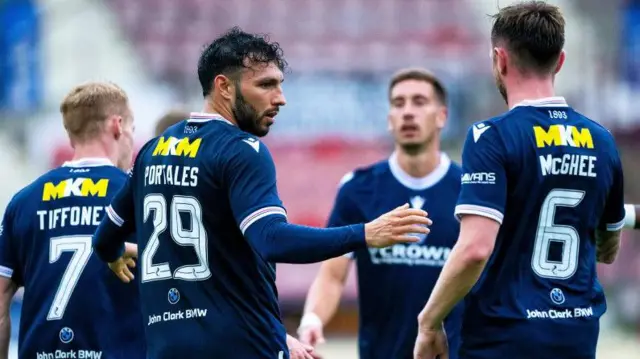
(193, 235)
(549, 232)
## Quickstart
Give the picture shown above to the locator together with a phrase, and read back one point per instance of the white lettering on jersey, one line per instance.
(71, 354)
(69, 216)
(162, 175)
(169, 316)
(570, 313)
(479, 178)
(410, 254)
(568, 164)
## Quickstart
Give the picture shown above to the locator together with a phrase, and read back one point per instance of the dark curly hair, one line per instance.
(233, 51)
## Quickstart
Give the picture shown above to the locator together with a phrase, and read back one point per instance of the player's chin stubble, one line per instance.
(247, 117)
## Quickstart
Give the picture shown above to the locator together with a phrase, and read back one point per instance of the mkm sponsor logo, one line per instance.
(563, 135)
(173, 146)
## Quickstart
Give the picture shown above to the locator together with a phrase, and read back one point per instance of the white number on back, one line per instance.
(548, 232)
(558, 114)
(192, 235)
(81, 248)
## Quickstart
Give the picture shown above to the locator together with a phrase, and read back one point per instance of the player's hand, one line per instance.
(311, 333)
(298, 350)
(121, 266)
(396, 227)
(431, 344)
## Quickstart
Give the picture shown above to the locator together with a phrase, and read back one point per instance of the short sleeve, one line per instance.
(484, 180)
(121, 211)
(614, 212)
(8, 253)
(345, 210)
(250, 176)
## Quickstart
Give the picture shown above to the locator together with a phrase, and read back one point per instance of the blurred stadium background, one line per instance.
(341, 54)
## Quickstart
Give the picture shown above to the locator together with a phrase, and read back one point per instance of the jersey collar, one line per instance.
(205, 117)
(89, 162)
(422, 183)
(556, 101)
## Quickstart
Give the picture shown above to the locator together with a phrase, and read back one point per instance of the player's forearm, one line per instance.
(323, 298)
(459, 275)
(607, 246)
(108, 241)
(631, 218)
(279, 241)
(5, 334)
(8, 289)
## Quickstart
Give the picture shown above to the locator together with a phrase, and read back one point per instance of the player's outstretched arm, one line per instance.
(7, 290)
(279, 241)
(323, 299)
(249, 174)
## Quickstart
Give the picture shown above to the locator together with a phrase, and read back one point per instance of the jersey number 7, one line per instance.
(81, 247)
(548, 232)
(193, 235)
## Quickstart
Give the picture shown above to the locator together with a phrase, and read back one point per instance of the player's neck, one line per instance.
(418, 164)
(212, 106)
(524, 89)
(92, 150)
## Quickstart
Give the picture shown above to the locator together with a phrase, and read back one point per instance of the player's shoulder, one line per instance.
(68, 175)
(593, 126)
(488, 129)
(235, 144)
(363, 177)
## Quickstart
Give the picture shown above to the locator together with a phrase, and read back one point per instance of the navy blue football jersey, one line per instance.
(206, 293)
(395, 283)
(551, 177)
(73, 305)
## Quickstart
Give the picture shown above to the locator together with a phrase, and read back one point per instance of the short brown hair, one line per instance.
(169, 119)
(86, 107)
(533, 32)
(419, 74)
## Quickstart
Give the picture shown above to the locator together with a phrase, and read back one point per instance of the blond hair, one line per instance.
(86, 108)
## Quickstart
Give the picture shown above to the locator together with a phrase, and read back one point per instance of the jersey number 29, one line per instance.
(549, 232)
(193, 235)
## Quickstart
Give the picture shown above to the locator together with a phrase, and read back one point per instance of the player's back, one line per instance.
(203, 286)
(540, 287)
(73, 306)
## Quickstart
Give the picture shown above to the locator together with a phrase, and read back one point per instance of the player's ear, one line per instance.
(225, 86)
(500, 58)
(115, 125)
(561, 59)
(441, 117)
